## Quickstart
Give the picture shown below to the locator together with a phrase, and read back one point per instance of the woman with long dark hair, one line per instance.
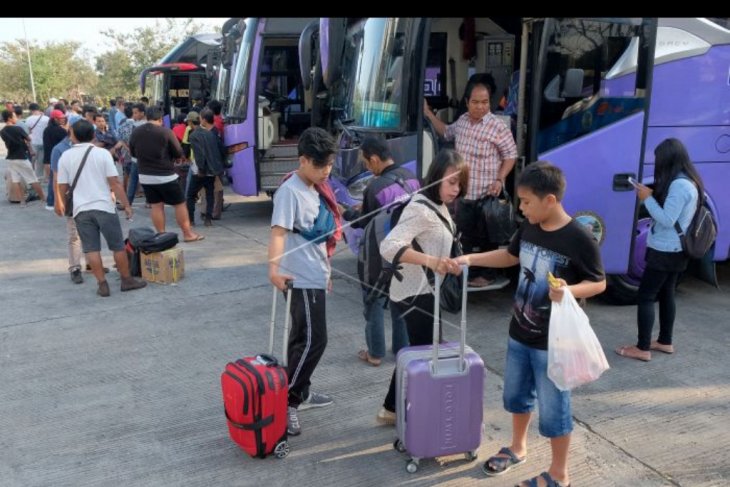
(413, 297)
(677, 187)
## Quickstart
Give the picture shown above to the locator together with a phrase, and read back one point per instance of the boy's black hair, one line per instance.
(318, 145)
(18, 110)
(208, 115)
(33, 107)
(153, 113)
(7, 115)
(445, 159)
(216, 106)
(83, 130)
(375, 146)
(542, 178)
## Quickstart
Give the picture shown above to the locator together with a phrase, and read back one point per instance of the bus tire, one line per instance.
(619, 291)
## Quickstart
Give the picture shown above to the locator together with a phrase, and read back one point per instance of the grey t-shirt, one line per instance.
(297, 205)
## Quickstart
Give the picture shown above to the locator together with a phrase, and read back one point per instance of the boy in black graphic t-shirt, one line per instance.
(548, 241)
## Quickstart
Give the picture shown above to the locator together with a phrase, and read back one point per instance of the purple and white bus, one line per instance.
(595, 97)
(268, 105)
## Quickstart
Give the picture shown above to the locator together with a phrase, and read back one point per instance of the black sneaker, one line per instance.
(293, 428)
(76, 276)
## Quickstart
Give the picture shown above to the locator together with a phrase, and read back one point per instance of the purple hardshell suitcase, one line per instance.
(439, 396)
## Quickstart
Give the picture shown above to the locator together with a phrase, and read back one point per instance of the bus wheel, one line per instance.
(622, 288)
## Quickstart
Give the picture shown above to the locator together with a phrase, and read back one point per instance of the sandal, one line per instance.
(196, 238)
(500, 465)
(365, 357)
(655, 345)
(631, 351)
(549, 481)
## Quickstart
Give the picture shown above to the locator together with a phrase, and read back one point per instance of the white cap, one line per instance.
(53, 100)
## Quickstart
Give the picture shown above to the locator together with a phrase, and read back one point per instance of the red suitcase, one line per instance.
(255, 397)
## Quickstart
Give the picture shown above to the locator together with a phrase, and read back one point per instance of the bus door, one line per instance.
(591, 127)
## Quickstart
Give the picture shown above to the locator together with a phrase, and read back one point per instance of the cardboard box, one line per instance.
(164, 267)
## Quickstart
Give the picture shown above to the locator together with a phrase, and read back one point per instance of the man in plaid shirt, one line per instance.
(487, 146)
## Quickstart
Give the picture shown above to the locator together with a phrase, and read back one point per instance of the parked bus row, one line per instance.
(592, 96)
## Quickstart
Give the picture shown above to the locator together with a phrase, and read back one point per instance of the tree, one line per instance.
(117, 76)
(59, 69)
(119, 69)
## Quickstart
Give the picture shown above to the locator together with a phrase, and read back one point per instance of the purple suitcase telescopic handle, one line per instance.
(287, 317)
(437, 321)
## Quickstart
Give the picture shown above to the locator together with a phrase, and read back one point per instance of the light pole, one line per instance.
(30, 65)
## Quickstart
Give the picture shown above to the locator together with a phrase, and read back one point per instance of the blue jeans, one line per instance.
(375, 327)
(525, 378)
(133, 182)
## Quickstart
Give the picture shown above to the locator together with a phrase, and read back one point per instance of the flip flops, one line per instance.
(365, 357)
(549, 481)
(195, 239)
(497, 465)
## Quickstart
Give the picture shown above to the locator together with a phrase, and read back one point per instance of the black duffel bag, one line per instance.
(146, 240)
(499, 217)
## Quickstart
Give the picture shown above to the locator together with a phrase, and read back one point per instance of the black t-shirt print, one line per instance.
(14, 138)
(570, 253)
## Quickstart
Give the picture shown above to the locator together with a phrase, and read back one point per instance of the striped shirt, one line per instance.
(484, 145)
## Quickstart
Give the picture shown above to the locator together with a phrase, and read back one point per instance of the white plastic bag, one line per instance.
(575, 356)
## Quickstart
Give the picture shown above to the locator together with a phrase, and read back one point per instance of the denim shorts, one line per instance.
(526, 379)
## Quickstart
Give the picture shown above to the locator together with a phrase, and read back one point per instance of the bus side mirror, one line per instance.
(306, 58)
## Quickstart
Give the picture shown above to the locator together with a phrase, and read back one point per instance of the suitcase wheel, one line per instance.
(412, 466)
(471, 456)
(398, 445)
(281, 450)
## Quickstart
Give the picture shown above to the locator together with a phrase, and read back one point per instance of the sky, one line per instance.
(85, 30)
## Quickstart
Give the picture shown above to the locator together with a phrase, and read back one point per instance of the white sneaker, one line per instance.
(50, 208)
(293, 428)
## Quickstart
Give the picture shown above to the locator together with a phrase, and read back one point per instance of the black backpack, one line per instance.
(373, 271)
(701, 232)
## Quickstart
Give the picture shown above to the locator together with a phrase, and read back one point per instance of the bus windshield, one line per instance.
(373, 60)
(238, 103)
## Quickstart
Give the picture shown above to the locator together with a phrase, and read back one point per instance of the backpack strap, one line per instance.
(438, 214)
(700, 202)
(390, 175)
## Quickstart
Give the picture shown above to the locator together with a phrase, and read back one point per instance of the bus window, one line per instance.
(575, 100)
(376, 68)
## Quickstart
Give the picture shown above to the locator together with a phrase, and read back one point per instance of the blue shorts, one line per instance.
(525, 379)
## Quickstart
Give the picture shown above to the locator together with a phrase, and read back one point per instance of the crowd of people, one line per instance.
(170, 166)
